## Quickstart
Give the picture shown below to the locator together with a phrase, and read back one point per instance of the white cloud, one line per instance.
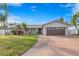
(66, 6)
(75, 9)
(33, 8)
(29, 20)
(15, 4)
(15, 19)
(68, 14)
(2, 11)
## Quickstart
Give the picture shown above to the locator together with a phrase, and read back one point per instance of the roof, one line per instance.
(56, 21)
(34, 26)
(40, 26)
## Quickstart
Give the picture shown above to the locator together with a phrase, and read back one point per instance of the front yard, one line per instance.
(13, 45)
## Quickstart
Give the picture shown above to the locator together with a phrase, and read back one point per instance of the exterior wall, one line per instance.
(72, 30)
(44, 31)
(29, 31)
(76, 31)
(32, 31)
(2, 31)
(54, 24)
(66, 31)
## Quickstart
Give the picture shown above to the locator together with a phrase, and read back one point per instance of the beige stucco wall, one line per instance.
(72, 31)
(54, 24)
(32, 31)
(2, 31)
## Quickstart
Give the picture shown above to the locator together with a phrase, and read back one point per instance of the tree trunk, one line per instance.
(1, 25)
(6, 22)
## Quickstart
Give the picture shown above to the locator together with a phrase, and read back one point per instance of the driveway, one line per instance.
(55, 46)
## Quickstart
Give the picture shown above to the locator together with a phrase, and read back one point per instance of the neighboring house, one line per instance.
(3, 31)
(72, 30)
(8, 29)
(52, 28)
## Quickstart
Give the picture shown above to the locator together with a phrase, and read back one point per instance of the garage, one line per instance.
(55, 30)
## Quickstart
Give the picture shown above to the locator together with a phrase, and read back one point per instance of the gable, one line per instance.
(55, 24)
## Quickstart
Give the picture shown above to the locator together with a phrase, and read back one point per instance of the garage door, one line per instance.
(55, 31)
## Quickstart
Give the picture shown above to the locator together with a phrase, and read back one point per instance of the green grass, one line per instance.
(14, 45)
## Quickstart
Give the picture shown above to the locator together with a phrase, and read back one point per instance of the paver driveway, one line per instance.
(55, 46)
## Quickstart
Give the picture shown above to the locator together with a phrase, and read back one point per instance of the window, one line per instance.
(51, 28)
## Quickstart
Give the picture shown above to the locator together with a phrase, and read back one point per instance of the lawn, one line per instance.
(14, 45)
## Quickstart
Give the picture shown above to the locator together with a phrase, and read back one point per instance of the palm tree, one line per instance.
(75, 20)
(3, 6)
(1, 21)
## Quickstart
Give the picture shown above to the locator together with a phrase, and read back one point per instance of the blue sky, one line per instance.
(40, 13)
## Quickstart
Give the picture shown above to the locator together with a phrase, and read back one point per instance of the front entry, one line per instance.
(39, 31)
(55, 31)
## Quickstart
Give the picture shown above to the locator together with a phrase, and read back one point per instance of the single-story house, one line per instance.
(34, 29)
(50, 28)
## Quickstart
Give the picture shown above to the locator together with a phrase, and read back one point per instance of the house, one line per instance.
(50, 28)
(34, 29)
(8, 28)
(72, 30)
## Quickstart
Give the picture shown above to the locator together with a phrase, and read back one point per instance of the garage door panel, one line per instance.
(55, 31)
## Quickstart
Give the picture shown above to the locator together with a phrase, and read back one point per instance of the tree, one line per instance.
(61, 20)
(3, 6)
(75, 19)
(1, 21)
(18, 30)
(21, 28)
(24, 25)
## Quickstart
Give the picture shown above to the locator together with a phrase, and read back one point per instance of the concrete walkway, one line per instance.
(53, 46)
(39, 48)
